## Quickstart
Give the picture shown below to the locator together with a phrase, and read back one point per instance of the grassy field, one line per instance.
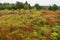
(29, 25)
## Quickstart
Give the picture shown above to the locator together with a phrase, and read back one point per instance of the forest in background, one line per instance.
(26, 5)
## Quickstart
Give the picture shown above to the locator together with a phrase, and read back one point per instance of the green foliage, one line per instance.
(35, 33)
(56, 28)
(54, 7)
(54, 35)
(19, 5)
(37, 6)
(50, 8)
(26, 5)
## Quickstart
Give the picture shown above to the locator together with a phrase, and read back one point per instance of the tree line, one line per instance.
(26, 5)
